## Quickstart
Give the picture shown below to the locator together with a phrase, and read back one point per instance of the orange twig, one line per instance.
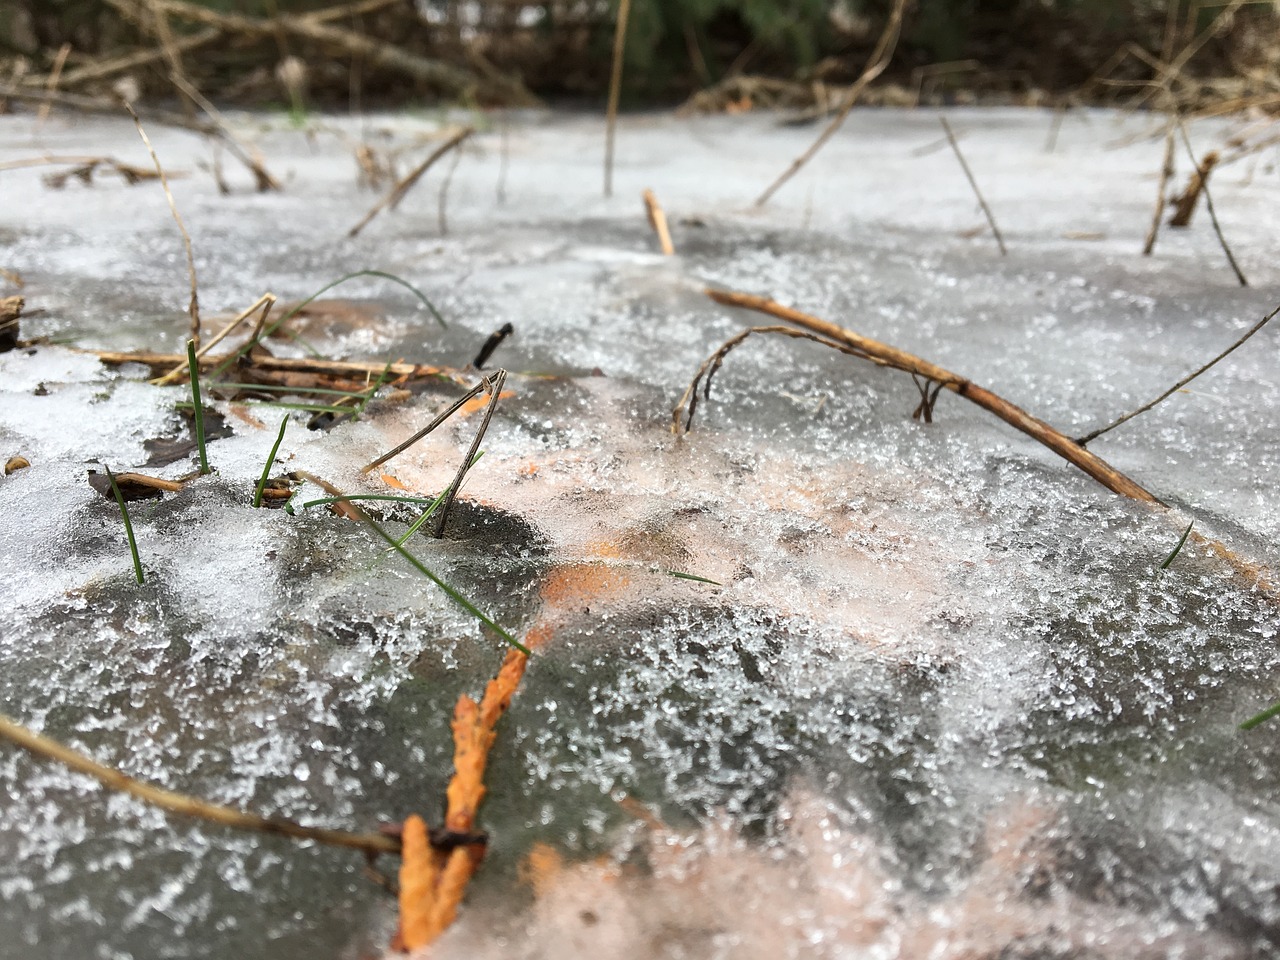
(435, 873)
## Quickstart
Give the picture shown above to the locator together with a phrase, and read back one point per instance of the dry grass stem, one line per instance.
(1089, 437)
(658, 221)
(875, 66)
(244, 152)
(263, 303)
(193, 306)
(1166, 174)
(51, 84)
(398, 192)
(615, 91)
(439, 418)
(493, 385)
(44, 747)
(955, 147)
(1208, 204)
(442, 200)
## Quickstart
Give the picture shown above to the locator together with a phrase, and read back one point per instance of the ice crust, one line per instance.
(942, 702)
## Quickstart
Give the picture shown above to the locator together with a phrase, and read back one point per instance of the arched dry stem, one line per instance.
(688, 404)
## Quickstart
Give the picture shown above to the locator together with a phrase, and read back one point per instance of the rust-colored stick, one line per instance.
(658, 220)
(1038, 430)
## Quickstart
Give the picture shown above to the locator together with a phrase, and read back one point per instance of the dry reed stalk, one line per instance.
(615, 91)
(875, 66)
(1203, 183)
(493, 386)
(398, 192)
(193, 305)
(51, 84)
(658, 221)
(1166, 174)
(246, 153)
(179, 803)
(991, 219)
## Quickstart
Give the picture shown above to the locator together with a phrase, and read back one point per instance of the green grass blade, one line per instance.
(128, 527)
(194, 369)
(1261, 718)
(1178, 549)
(454, 595)
(692, 576)
(271, 458)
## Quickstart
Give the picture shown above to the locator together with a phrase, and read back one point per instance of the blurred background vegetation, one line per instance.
(1001, 50)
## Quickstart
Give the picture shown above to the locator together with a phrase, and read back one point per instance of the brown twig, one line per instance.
(244, 152)
(493, 385)
(1166, 174)
(51, 84)
(1184, 205)
(308, 365)
(179, 803)
(398, 192)
(1208, 204)
(875, 66)
(1089, 437)
(375, 53)
(439, 418)
(955, 146)
(615, 91)
(891, 356)
(658, 221)
(193, 306)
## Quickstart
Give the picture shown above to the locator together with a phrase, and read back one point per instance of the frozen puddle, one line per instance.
(939, 700)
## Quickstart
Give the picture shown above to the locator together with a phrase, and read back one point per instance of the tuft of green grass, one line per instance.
(271, 458)
(128, 527)
(1178, 549)
(453, 594)
(1261, 718)
(194, 369)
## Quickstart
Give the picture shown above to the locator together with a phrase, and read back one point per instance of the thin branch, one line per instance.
(1166, 174)
(494, 386)
(1038, 430)
(193, 306)
(52, 83)
(1208, 205)
(875, 66)
(615, 91)
(439, 418)
(1090, 437)
(398, 192)
(188, 806)
(951, 139)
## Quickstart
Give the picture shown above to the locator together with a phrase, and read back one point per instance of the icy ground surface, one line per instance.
(943, 702)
